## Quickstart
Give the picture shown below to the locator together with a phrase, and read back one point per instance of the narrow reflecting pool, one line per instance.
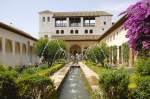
(73, 86)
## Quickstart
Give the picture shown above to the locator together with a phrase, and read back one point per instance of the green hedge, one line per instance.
(51, 70)
(114, 84)
(143, 66)
(8, 87)
(36, 86)
(30, 83)
(142, 91)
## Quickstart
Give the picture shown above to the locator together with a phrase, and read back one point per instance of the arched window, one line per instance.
(30, 50)
(48, 19)
(71, 31)
(57, 31)
(43, 19)
(24, 49)
(62, 31)
(17, 48)
(91, 31)
(76, 31)
(86, 31)
(8, 46)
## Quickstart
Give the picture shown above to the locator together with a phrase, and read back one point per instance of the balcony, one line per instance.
(61, 25)
(89, 24)
(75, 25)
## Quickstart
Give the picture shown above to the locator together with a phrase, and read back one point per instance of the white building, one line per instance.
(116, 36)
(78, 29)
(16, 47)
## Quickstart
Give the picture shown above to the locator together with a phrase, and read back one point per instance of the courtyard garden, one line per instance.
(115, 81)
(121, 82)
(33, 82)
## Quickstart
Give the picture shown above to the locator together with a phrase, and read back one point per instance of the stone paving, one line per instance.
(60, 75)
(90, 75)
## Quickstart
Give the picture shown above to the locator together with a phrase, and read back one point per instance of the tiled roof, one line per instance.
(77, 37)
(17, 31)
(86, 13)
(77, 13)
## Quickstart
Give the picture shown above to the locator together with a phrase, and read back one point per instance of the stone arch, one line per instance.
(75, 49)
(24, 49)
(17, 48)
(8, 46)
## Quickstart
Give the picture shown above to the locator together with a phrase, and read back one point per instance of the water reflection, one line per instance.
(73, 87)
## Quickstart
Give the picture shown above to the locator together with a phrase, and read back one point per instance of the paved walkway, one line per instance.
(91, 76)
(60, 75)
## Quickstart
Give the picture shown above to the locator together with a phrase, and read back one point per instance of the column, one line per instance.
(3, 46)
(81, 21)
(13, 47)
(118, 53)
(131, 57)
(67, 21)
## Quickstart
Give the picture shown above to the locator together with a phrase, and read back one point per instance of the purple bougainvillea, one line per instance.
(138, 25)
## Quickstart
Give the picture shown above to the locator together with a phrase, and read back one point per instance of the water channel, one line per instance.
(73, 86)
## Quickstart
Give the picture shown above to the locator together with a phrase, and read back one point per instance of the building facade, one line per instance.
(116, 36)
(16, 47)
(78, 29)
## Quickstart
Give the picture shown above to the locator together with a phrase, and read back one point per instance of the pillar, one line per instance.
(131, 57)
(81, 21)
(118, 53)
(3, 46)
(13, 47)
(68, 22)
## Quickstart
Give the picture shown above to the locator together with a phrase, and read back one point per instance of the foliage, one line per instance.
(114, 53)
(138, 25)
(98, 53)
(8, 71)
(8, 87)
(143, 66)
(114, 84)
(51, 70)
(125, 52)
(143, 89)
(33, 87)
(32, 82)
(50, 50)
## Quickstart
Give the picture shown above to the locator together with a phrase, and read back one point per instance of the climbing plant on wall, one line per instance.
(138, 25)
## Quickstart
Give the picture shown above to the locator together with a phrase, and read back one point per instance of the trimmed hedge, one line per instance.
(36, 86)
(114, 84)
(8, 87)
(143, 66)
(31, 83)
(142, 91)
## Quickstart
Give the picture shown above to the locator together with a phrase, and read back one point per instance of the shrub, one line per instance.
(8, 71)
(143, 89)
(51, 70)
(114, 84)
(98, 53)
(143, 66)
(8, 87)
(35, 86)
(50, 50)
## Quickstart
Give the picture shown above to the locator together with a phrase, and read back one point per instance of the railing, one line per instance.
(75, 25)
(61, 25)
(89, 24)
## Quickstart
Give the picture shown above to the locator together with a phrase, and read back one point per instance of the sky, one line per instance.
(23, 14)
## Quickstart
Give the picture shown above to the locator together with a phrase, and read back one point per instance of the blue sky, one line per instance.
(24, 13)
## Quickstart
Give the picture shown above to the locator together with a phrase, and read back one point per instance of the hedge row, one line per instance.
(31, 83)
(120, 84)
